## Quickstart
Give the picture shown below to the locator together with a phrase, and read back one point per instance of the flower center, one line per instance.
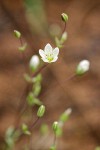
(50, 57)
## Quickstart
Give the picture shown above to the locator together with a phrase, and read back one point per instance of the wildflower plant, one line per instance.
(49, 54)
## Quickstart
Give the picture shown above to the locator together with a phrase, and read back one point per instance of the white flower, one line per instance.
(83, 67)
(34, 62)
(49, 54)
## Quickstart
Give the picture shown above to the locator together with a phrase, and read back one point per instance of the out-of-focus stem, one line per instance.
(22, 101)
(40, 69)
(34, 123)
(55, 139)
(22, 53)
(64, 29)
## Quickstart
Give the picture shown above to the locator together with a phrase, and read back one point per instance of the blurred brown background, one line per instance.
(34, 19)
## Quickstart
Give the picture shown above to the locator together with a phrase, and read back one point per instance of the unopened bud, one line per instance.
(64, 17)
(34, 62)
(41, 111)
(83, 67)
(17, 34)
(65, 116)
(55, 126)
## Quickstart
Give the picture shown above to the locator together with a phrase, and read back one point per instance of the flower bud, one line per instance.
(17, 34)
(41, 111)
(64, 17)
(34, 62)
(83, 67)
(55, 126)
(65, 116)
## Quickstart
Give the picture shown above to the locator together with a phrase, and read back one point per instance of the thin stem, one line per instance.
(64, 29)
(56, 84)
(21, 42)
(22, 103)
(55, 139)
(40, 69)
(22, 53)
(30, 128)
(69, 78)
(34, 123)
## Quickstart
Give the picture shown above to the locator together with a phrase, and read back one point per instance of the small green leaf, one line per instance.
(30, 99)
(33, 100)
(22, 48)
(38, 78)
(37, 101)
(25, 129)
(36, 89)
(57, 41)
(11, 136)
(63, 38)
(27, 77)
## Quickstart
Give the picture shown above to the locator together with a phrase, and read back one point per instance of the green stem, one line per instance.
(64, 29)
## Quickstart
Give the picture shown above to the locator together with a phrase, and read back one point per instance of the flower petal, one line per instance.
(42, 53)
(55, 59)
(48, 49)
(56, 52)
